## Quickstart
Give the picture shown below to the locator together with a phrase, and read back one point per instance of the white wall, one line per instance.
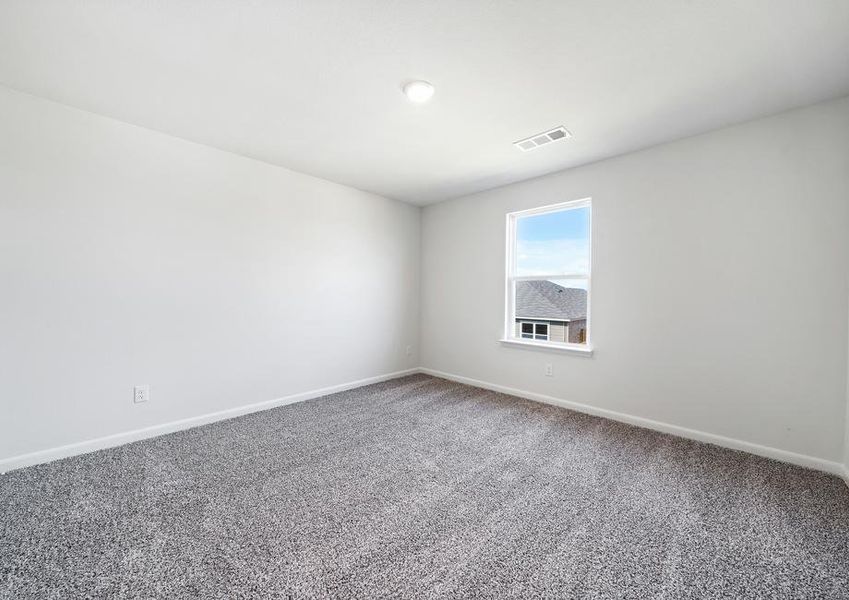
(719, 292)
(131, 257)
(846, 432)
(128, 257)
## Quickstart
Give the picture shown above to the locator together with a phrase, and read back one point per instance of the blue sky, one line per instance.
(554, 243)
(568, 224)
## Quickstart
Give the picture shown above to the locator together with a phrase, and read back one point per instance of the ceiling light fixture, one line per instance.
(418, 91)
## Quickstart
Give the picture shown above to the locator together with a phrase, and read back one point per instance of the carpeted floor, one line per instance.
(421, 488)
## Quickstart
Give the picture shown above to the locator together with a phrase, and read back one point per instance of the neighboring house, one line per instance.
(551, 312)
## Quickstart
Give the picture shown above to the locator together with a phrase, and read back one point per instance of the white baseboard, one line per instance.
(118, 439)
(803, 460)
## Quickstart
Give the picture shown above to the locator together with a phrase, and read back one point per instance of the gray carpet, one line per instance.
(422, 488)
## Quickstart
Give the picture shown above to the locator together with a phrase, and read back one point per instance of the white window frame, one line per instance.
(535, 335)
(510, 336)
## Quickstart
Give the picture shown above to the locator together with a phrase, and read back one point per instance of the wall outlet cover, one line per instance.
(141, 393)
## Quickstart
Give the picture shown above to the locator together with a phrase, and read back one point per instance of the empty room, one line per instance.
(424, 299)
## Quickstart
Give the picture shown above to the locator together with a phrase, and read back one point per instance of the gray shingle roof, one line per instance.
(541, 299)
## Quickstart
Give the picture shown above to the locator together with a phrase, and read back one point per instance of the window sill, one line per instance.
(579, 349)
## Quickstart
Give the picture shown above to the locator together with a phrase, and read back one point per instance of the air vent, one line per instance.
(541, 139)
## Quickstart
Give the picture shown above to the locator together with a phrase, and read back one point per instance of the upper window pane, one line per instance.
(553, 243)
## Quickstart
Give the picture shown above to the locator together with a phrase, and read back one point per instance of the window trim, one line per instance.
(577, 349)
(509, 336)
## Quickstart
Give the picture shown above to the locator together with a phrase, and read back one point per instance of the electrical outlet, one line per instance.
(141, 393)
(549, 370)
(409, 350)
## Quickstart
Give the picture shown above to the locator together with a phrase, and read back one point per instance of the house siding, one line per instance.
(557, 331)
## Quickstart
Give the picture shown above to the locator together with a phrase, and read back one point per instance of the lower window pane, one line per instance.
(552, 309)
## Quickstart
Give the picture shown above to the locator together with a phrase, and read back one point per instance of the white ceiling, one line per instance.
(315, 85)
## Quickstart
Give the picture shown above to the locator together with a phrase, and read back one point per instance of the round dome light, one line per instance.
(418, 91)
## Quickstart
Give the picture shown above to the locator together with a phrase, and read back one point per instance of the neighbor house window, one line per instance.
(548, 275)
(533, 331)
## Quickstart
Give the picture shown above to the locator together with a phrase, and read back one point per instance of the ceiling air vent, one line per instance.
(541, 139)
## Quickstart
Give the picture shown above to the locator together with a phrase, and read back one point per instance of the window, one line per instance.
(534, 331)
(548, 276)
